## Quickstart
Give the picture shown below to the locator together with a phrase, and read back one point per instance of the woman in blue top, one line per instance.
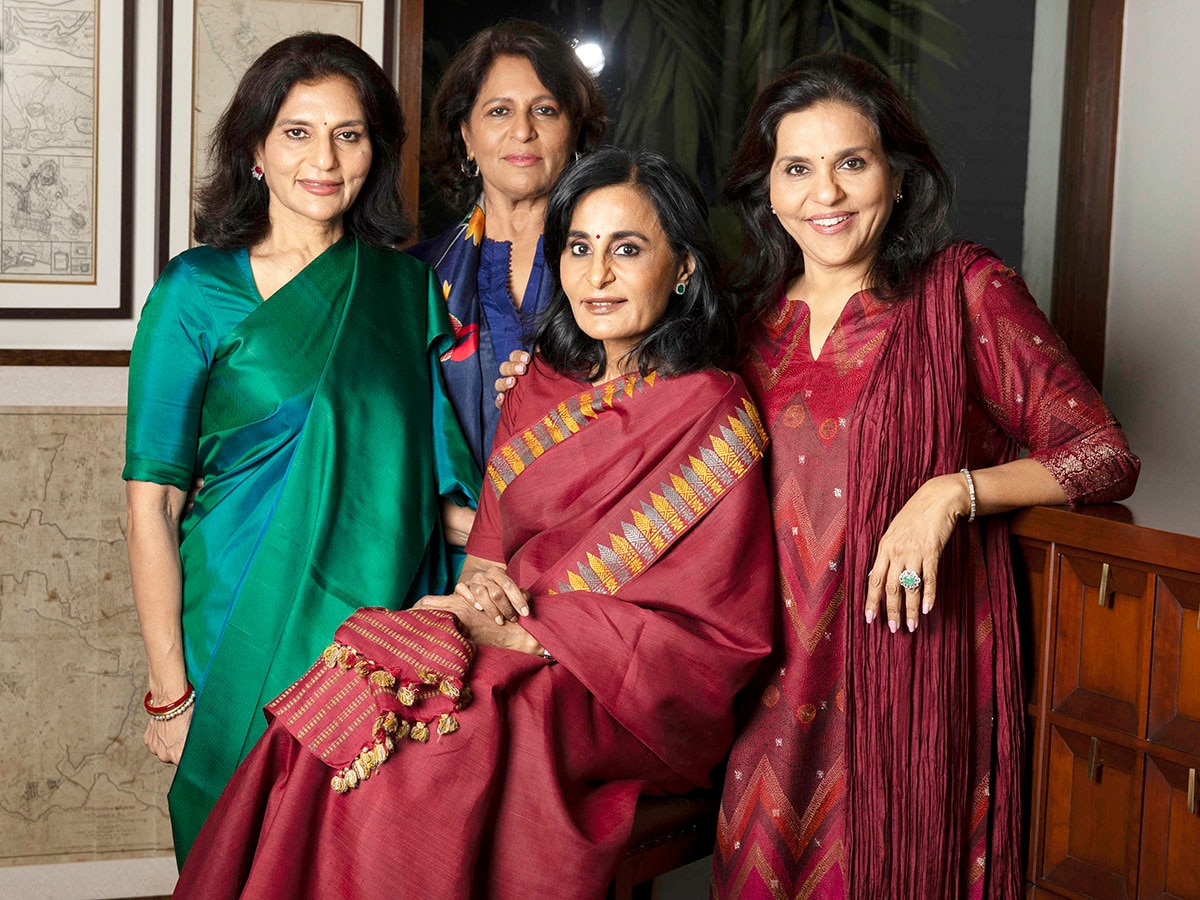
(513, 108)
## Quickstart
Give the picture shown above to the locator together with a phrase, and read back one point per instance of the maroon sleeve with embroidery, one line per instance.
(1030, 387)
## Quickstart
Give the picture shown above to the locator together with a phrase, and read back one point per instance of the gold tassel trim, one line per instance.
(406, 695)
(390, 728)
(383, 678)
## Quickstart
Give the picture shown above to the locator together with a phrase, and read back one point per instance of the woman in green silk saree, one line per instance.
(291, 364)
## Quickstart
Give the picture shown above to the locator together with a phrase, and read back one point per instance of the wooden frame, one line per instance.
(1086, 171)
(90, 274)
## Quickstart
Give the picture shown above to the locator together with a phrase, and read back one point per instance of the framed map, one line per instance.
(105, 108)
(65, 158)
(225, 37)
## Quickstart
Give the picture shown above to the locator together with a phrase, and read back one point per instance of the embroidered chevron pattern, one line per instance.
(764, 837)
(566, 419)
(784, 320)
(680, 501)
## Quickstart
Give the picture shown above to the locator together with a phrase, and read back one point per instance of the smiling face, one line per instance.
(517, 132)
(316, 156)
(832, 188)
(618, 270)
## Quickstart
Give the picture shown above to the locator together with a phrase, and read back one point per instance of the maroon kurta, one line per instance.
(635, 514)
(783, 820)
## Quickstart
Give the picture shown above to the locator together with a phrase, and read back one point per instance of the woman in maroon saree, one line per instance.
(898, 376)
(615, 597)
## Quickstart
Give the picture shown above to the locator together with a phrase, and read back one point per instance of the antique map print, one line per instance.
(47, 140)
(76, 782)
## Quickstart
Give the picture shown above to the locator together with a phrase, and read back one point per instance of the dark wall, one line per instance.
(977, 112)
(978, 117)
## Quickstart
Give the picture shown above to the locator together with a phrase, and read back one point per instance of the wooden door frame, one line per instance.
(1087, 166)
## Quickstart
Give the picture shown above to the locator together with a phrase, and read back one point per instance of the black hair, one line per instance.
(232, 208)
(697, 328)
(557, 67)
(917, 227)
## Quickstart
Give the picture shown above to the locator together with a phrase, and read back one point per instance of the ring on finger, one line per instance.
(909, 580)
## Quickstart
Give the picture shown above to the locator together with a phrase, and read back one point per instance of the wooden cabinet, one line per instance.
(1114, 704)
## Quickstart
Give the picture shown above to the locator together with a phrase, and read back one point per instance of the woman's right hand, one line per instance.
(166, 739)
(493, 593)
(516, 364)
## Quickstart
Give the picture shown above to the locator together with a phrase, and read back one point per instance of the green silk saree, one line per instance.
(325, 443)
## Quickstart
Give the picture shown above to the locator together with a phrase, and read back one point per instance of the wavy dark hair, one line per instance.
(557, 67)
(917, 227)
(697, 328)
(231, 207)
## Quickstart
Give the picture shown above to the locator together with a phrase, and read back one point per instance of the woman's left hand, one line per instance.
(914, 541)
(479, 626)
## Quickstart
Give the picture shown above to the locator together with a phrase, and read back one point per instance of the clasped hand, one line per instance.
(488, 605)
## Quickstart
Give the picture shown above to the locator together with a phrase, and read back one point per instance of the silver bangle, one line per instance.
(177, 711)
(971, 491)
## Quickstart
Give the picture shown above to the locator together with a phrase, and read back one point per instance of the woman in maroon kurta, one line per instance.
(616, 596)
(883, 760)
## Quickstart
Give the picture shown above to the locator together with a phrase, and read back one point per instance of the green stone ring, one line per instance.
(909, 580)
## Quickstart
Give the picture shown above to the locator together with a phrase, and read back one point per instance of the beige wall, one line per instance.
(1150, 376)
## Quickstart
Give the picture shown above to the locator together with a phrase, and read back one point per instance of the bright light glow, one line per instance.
(592, 57)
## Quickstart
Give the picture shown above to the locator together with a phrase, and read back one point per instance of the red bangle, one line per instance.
(170, 707)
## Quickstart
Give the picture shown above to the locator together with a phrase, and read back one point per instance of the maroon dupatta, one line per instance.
(911, 697)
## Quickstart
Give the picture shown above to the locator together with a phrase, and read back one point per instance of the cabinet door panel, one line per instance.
(1175, 666)
(1170, 863)
(1092, 802)
(1099, 646)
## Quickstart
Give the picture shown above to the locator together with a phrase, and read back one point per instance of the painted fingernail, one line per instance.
(912, 625)
(925, 608)
(520, 369)
(870, 616)
(499, 620)
(479, 607)
(892, 626)
(510, 381)
(524, 610)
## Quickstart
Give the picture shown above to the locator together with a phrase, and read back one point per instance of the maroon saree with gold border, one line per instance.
(635, 514)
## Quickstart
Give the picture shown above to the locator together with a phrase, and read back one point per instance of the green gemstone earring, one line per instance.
(680, 288)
